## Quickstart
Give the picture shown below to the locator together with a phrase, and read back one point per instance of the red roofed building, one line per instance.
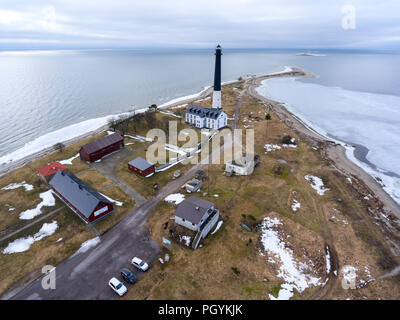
(48, 171)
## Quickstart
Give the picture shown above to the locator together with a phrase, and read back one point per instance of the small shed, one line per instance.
(141, 167)
(86, 202)
(48, 171)
(95, 150)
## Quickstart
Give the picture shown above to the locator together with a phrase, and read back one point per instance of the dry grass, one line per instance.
(207, 272)
(73, 231)
(94, 179)
(47, 251)
(145, 185)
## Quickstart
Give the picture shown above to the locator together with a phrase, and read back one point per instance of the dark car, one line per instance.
(128, 276)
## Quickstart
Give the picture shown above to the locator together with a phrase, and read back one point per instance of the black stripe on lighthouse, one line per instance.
(217, 74)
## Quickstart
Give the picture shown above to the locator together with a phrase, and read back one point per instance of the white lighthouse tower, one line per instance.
(216, 103)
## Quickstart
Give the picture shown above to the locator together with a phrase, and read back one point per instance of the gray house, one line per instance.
(197, 215)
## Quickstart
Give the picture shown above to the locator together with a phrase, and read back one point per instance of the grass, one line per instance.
(70, 228)
(207, 272)
(44, 252)
(94, 179)
(145, 185)
(258, 195)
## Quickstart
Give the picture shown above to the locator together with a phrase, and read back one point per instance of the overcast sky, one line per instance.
(367, 24)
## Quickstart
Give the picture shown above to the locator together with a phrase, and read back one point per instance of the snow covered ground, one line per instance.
(176, 149)
(296, 205)
(69, 161)
(316, 183)
(220, 222)
(140, 138)
(175, 198)
(12, 186)
(185, 240)
(48, 200)
(273, 147)
(368, 119)
(50, 139)
(87, 245)
(295, 274)
(118, 203)
(23, 244)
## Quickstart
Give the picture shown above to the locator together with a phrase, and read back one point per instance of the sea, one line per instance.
(50, 96)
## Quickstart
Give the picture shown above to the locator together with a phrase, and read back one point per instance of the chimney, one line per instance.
(217, 79)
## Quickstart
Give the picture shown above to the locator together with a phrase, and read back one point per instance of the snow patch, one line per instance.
(28, 187)
(175, 198)
(48, 200)
(218, 226)
(291, 271)
(23, 244)
(69, 161)
(185, 239)
(317, 184)
(296, 205)
(87, 245)
(118, 203)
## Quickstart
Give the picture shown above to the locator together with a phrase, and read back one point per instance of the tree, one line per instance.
(59, 146)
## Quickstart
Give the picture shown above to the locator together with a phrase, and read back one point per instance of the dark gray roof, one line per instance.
(193, 209)
(78, 193)
(212, 113)
(102, 142)
(140, 163)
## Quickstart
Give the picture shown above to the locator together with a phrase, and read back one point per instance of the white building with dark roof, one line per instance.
(210, 118)
(197, 215)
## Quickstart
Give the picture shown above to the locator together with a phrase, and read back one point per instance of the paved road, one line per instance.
(108, 167)
(85, 276)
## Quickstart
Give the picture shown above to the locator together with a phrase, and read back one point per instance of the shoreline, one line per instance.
(7, 167)
(334, 150)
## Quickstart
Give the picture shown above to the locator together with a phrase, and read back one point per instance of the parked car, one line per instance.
(117, 286)
(140, 264)
(193, 185)
(128, 276)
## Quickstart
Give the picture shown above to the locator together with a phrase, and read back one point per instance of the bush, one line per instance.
(235, 270)
(59, 146)
(287, 140)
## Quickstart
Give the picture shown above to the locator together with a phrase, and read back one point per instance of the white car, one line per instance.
(117, 286)
(140, 264)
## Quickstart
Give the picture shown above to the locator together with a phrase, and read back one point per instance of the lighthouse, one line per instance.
(216, 103)
(210, 118)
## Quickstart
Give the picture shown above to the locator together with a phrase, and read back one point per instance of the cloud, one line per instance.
(233, 23)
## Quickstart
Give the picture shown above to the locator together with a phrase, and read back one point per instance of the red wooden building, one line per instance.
(48, 171)
(95, 150)
(86, 202)
(141, 167)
